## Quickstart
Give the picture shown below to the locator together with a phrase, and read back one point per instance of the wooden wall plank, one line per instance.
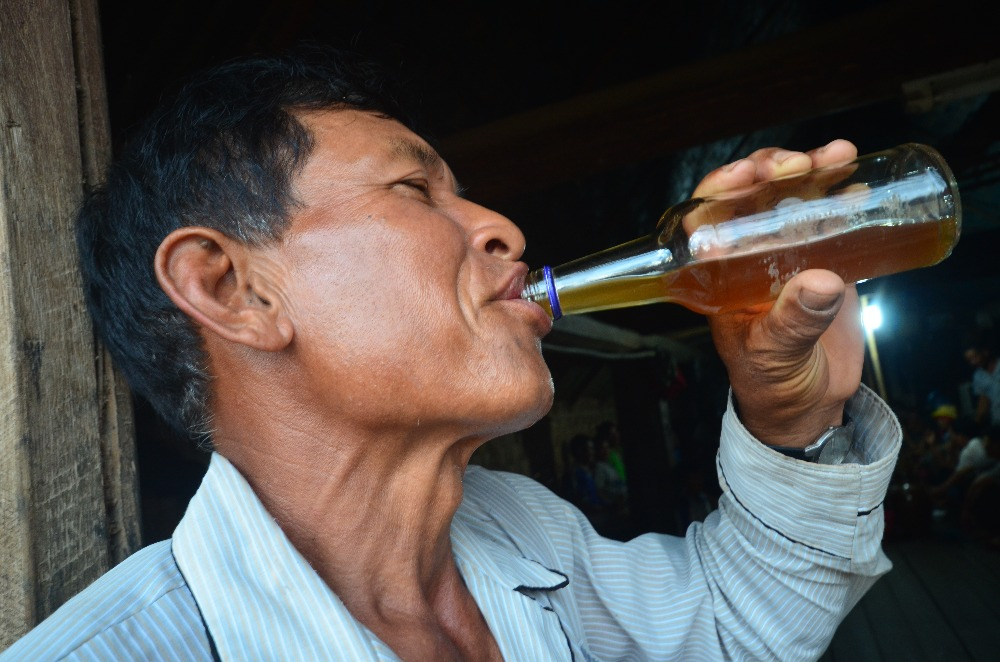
(117, 429)
(54, 536)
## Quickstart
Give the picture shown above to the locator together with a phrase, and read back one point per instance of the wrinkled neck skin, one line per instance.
(369, 506)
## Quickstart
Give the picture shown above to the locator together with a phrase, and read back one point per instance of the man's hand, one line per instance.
(792, 364)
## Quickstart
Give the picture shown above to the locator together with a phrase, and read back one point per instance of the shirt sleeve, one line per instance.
(834, 508)
(768, 576)
(973, 456)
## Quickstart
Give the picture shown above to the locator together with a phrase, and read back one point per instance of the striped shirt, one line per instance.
(767, 576)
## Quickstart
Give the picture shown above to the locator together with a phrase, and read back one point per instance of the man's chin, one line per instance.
(535, 409)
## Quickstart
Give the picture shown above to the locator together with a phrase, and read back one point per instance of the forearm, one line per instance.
(812, 532)
(800, 498)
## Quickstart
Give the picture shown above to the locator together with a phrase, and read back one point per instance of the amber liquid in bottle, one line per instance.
(880, 214)
(730, 283)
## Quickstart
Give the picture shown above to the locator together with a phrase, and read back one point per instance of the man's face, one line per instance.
(404, 295)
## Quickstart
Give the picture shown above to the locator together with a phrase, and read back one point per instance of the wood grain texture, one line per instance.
(117, 429)
(55, 535)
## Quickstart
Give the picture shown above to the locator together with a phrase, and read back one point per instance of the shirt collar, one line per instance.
(479, 541)
(261, 600)
(259, 597)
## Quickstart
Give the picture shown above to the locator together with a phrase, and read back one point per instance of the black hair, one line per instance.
(221, 153)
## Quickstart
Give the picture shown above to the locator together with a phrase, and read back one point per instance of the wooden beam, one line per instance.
(116, 426)
(54, 522)
(859, 60)
(583, 332)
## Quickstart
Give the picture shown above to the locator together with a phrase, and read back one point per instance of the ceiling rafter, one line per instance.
(863, 59)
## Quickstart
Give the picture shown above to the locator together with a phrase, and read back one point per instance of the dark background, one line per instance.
(583, 121)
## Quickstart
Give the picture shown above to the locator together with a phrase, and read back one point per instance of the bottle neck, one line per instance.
(540, 287)
(610, 279)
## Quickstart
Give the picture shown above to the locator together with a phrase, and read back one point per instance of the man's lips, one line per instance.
(515, 282)
(512, 290)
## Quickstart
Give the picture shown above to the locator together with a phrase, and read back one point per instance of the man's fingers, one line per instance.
(772, 162)
(793, 364)
(763, 165)
(837, 151)
(807, 307)
(734, 175)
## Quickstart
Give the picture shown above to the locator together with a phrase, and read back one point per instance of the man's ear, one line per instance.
(211, 278)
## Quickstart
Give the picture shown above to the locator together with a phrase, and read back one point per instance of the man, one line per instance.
(607, 433)
(980, 515)
(281, 263)
(968, 457)
(980, 354)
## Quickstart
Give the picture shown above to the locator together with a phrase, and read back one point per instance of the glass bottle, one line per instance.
(880, 214)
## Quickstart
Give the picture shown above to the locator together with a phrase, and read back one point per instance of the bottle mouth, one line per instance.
(541, 286)
(550, 289)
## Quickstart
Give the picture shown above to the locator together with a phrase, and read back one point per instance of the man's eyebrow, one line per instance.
(413, 150)
(423, 154)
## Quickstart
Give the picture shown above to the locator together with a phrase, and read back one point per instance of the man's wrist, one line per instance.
(795, 431)
(831, 447)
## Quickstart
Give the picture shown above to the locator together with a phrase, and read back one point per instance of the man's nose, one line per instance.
(494, 233)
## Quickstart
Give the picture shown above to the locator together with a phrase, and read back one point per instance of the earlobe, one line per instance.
(211, 278)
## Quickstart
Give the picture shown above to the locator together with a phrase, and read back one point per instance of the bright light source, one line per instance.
(871, 316)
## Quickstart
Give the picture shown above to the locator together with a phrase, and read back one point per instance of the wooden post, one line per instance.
(68, 497)
(873, 354)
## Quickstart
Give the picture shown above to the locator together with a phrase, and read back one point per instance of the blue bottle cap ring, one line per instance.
(550, 288)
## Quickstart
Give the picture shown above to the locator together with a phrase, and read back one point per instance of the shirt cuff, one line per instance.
(818, 505)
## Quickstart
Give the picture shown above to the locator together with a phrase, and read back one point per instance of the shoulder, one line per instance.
(521, 506)
(981, 379)
(140, 609)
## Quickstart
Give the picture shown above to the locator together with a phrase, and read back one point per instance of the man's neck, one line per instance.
(372, 516)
